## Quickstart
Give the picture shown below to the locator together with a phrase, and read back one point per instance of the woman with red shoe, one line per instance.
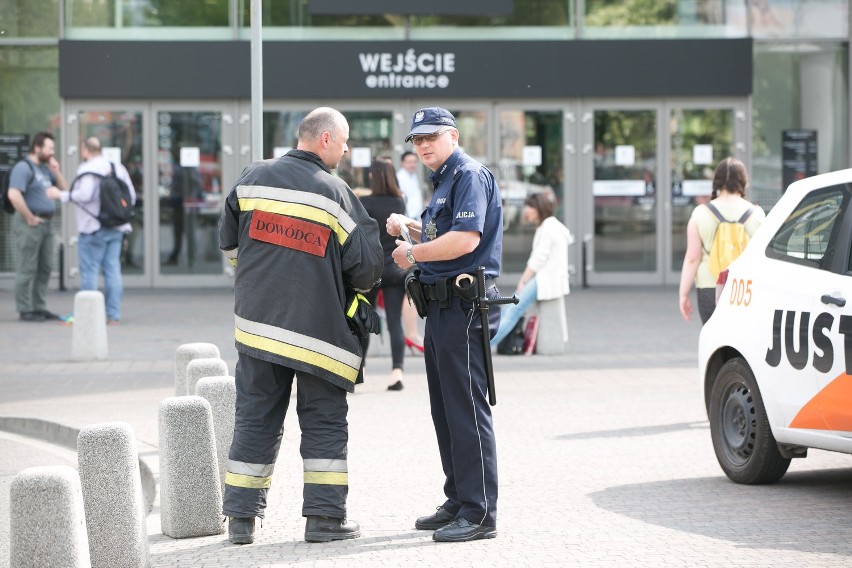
(386, 198)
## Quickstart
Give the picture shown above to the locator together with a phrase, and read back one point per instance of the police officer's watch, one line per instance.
(409, 255)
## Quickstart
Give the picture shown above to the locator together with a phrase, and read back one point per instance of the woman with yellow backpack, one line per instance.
(715, 235)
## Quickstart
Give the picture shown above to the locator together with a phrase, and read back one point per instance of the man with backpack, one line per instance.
(34, 183)
(715, 235)
(104, 197)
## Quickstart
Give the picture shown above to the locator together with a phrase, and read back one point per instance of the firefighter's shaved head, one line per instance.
(325, 132)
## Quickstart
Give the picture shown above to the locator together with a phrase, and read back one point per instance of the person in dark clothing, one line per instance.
(386, 199)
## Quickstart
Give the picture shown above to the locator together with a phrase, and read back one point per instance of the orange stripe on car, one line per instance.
(829, 409)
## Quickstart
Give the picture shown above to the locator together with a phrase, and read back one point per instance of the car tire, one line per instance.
(742, 438)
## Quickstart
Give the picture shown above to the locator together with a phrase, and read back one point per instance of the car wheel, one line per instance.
(742, 439)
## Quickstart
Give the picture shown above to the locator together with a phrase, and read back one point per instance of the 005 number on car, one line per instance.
(740, 292)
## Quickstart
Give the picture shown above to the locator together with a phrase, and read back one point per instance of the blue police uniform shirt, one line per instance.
(466, 198)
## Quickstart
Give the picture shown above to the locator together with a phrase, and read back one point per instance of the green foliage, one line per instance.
(213, 13)
(630, 12)
(29, 99)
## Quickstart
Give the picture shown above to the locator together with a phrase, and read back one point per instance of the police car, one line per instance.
(775, 359)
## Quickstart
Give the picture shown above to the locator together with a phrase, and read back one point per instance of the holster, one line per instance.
(465, 288)
(414, 290)
(443, 291)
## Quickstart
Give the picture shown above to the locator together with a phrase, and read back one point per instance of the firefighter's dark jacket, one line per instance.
(299, 238)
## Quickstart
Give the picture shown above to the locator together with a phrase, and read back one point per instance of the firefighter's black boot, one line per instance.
(241, 530)
(326, 529)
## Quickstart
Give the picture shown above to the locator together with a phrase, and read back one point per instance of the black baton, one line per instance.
(482, 303)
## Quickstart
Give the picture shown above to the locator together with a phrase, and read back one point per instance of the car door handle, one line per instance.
(829, 299)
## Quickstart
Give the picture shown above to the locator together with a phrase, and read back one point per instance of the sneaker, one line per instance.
(241, 530)
(32, 316)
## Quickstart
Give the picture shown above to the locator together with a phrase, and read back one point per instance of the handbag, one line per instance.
(530, 335)
(513, 343)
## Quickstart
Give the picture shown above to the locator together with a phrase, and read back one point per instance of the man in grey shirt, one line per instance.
(29, 183)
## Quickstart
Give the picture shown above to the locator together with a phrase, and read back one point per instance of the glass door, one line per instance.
(530, 160)
(120, 131)
(370, 138)
(621, 162)
(189, 188)
(699, 138)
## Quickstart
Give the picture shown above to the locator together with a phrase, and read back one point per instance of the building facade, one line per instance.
(620, 109)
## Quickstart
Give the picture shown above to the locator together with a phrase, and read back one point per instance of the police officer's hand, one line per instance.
(399, 255)
(361, 316)
(392, 226)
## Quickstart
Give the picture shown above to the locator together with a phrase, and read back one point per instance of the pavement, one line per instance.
(604, 452)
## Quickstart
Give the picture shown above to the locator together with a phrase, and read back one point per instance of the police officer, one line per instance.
(460, 230)
(302, 243)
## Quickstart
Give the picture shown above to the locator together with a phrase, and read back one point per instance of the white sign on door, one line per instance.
(190, 157)
(360, 157)
(531, 156)
(625, 155)
(702, 154)
(112, 153)
(279, 151)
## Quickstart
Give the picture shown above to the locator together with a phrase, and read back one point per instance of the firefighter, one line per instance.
(460, 230)
(303, 247)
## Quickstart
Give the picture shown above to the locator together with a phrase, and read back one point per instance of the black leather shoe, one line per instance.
(397, 386)
(434, 521)
(31, 316)
(241, 530)
(462, 530)
(48, 315)
(326, 529)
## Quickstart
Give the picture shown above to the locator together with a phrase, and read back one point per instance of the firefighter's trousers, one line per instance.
(263, 394)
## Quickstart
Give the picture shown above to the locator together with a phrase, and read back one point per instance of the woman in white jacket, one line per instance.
(546, 274)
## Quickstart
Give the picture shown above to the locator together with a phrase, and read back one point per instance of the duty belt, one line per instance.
(433, 291)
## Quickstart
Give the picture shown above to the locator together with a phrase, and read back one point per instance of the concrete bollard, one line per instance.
(186, 353)
(204, 367)
(112, 494)
(221, 393)
(190, 497)
(89, 333)
(552, 327)
(46, 518)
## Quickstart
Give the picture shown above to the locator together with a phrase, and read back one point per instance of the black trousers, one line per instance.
(455, 372)
(263, 395)
(394, 296)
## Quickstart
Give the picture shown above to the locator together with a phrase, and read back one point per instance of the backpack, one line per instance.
(729, 240)
(4, 187)
(513, 343)
(115, 197)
